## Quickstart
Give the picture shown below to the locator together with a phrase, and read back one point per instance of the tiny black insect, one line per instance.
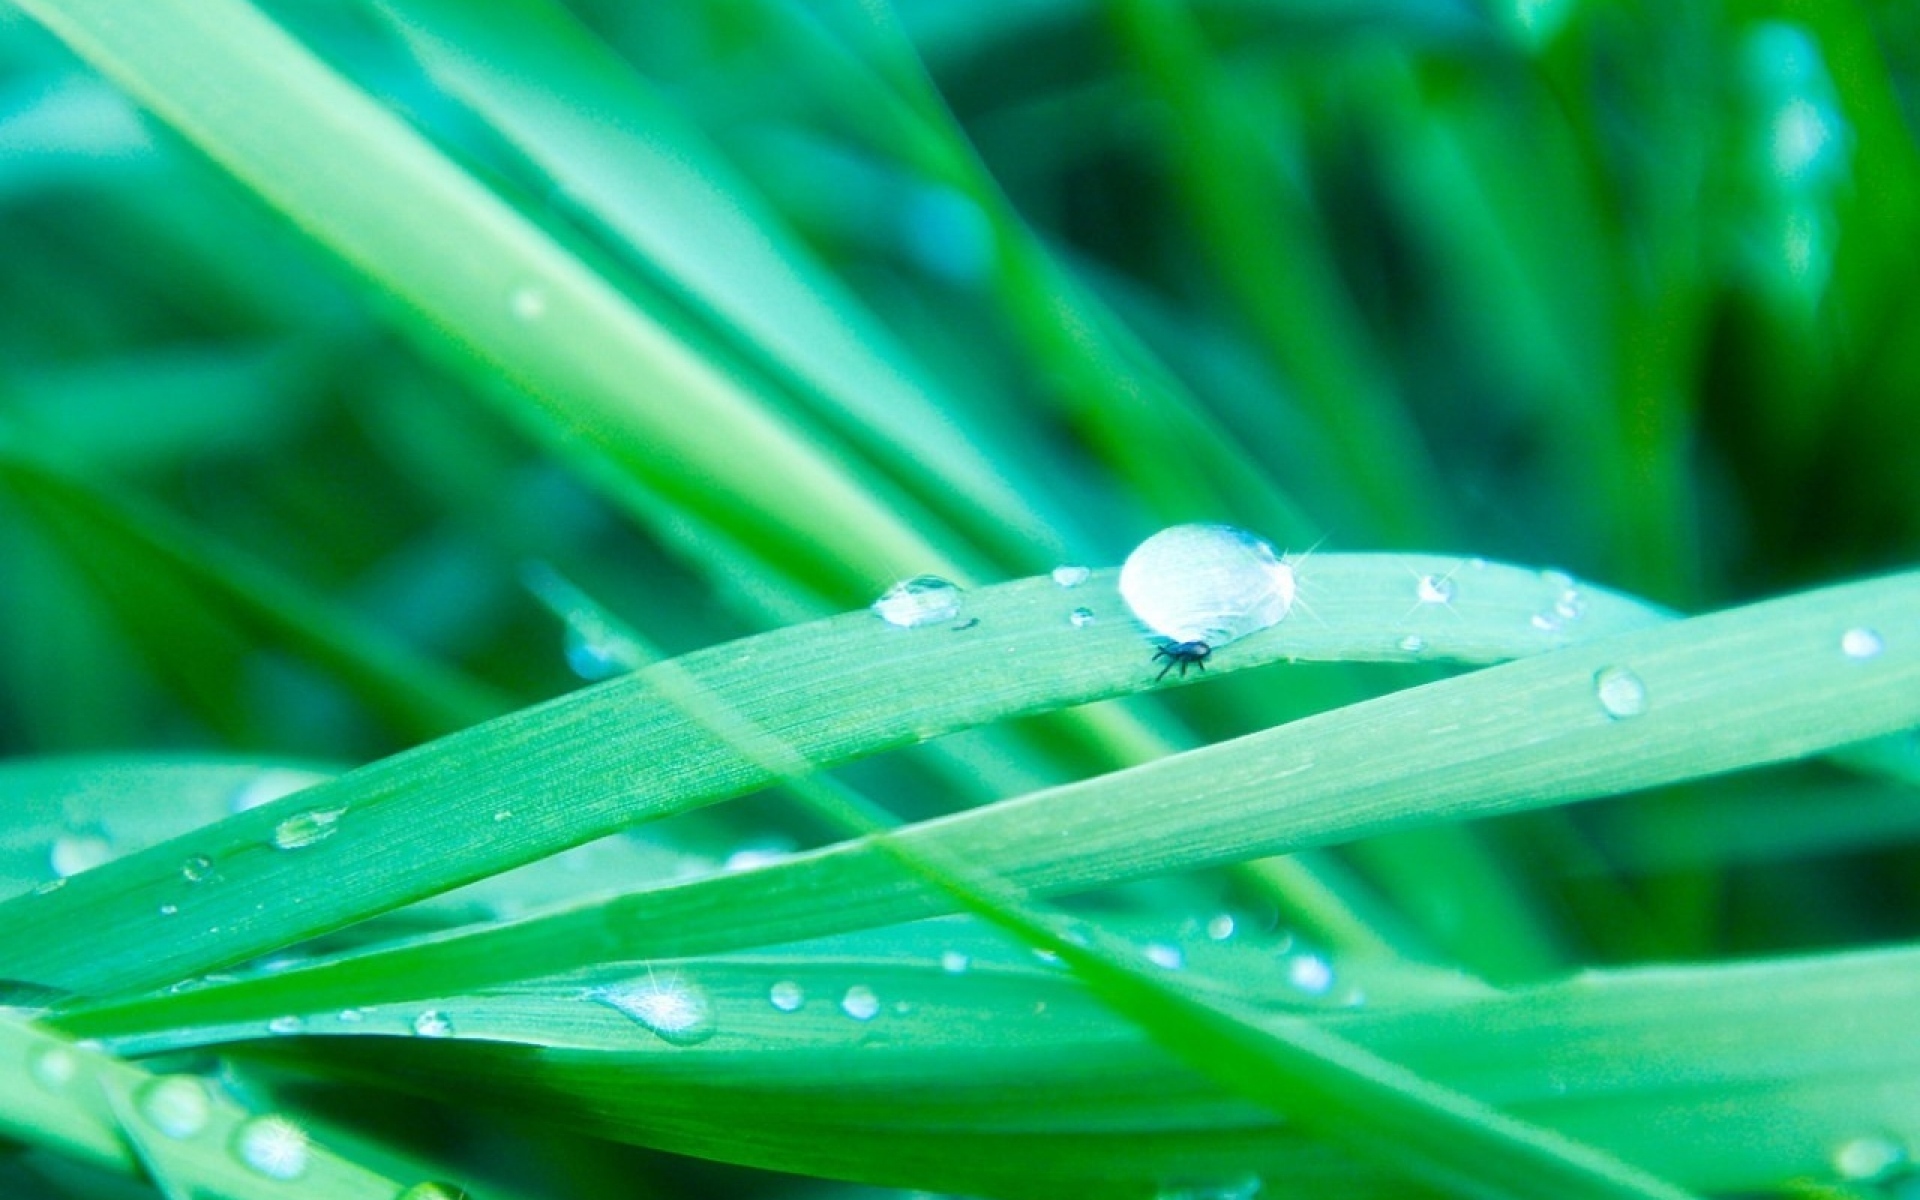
(1182, 655)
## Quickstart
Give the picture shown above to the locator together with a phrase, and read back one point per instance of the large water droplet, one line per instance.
(434, 1190)
(304, 829)
(787, 996)
(673, 1007)
(860, 1003)
(922, 600)
(72, 853)
(433, 1023)
(176, 1105)
(1310, 973)
(1070, 577)
(1620, 692)
(1861, 643)
(1434, 589)
(1868, 1158)
(273, 1146)
(1206, 583)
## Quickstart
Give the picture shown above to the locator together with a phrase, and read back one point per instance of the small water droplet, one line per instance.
(1081, 617)
(197, 868)
(527, 303)
(1570, 605)
(53, 1067)
(1545, 622)
(787, 996)
(1861, 643)
(1434, 589)
(351, 1016)
(1161, 954)
(1221, 926)
(434, 1190)
(860, 1003)
(1620, 692)
(673, 1007)
(1310, 973)
(922, 600)
(433, 1024)
(503, 815)
(1413, 643)
(748, 857)
(1206, 583)
(1559, 581)
(1047, 956)
(594, 651)
(286, 1025)
(73, 853)
(176, 1105)
(169, 910)
(304, 829)
(1868, 1158)
(1071, 577)
(954, 963)
(273, 1146)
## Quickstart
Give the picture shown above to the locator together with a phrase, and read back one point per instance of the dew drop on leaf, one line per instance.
(304, 829)
(1206, 583)
(1069, 577)
(1861, 644)
(273, 1146)
(1620, 692)
(860, 1003)
(176, 1105)
(787, 996)
(432, 1024)
(671, 1006)
(922, 600)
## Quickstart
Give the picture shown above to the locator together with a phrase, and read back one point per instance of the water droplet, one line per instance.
(1221, 926)
(1434, 589)
(1545, 622)
(54, 1067)
(748, 857)
(273, 1146)
(286, 1025)
(1413, 643)
(1071, 577)
(351, 1016)
(1559, 581)
(922, 600)
(1570, 605)
(1047, 956)
(73, 853)
(860, 1003)
(434, 1190)
(505, 814)
(176, 1105)
(1206, 583)
(433, 1024)
(169, 910)
(304, 829)
(1868, 1158)
(196, 869)
(787, 996)
(528, 303)
(1310, 973)
(1621, 693)
(595, 652)
(954, 963)
(1162, 955)
(1861, 643)
(269, 786)
(673, 1007)
(1081, 617)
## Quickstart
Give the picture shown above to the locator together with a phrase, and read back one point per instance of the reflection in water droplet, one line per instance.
(73, 853)
(1868, 1158)
(1068, 577)
(1081, 617)
(196, 869)
(1310, 973)
(1162, 955)
(53, 1067)
(176, 1105)
(1861, 644)
(787, 996)
(433, 1024)
(1206, 583)
(1434, 589)
(432, 1190)
(1621, 693)
(922, 600)
(304, 829)
(285, 1025)
(953, 962)
(273, 1146)
(673, 1007)
(860, 1003)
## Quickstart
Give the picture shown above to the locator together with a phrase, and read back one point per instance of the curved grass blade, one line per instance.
(592, 763)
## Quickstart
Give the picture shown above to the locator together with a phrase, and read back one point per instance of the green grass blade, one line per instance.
(601, 382)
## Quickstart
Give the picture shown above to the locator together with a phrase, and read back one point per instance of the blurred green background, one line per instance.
(1624, 289)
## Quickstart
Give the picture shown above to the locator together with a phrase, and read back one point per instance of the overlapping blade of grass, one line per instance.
(200, 605)
(586, 765)
(1520, 736)
(180, 1130)
(599, 381)
(1638, 1062)
(636, 167)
